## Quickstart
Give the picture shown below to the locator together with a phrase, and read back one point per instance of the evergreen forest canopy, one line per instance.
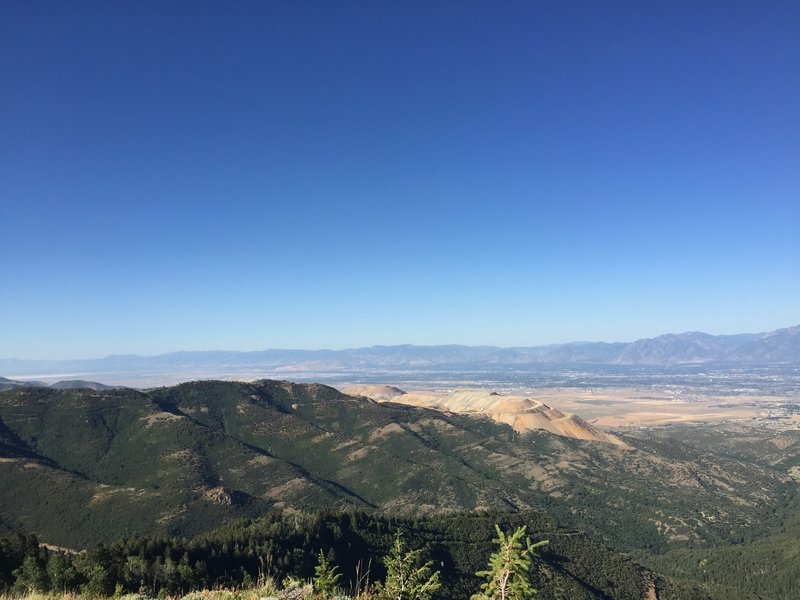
(153, 475)
(283, 545)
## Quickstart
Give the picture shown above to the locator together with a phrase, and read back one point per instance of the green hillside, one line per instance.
(81, 467)
(184, 459)
(769, 565)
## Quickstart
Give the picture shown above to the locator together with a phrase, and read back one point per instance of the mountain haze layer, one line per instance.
(781, 346)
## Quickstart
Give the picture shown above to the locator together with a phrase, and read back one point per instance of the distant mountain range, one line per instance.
(67, 384)
(780, 346)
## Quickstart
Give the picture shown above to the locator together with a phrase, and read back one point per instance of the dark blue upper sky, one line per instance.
(245, 175)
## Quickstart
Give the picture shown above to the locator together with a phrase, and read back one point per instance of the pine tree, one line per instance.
(31, 576)
(62, 574)
(326, 579)
(404, 580)
(507, 575)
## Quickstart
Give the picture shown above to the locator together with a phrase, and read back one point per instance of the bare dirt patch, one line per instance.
(160, 417)
(620, 408)
(359, 454)
(282, 490)
(385, 431)
(106, 493)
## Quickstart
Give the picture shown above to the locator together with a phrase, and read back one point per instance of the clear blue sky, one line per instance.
(249, 175)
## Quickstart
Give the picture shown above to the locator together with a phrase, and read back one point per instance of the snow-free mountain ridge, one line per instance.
(780, 346)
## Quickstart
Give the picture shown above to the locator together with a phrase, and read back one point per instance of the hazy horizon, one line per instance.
(333, 349)
(342, 175)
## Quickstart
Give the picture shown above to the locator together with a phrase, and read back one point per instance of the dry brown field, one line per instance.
(620, 408)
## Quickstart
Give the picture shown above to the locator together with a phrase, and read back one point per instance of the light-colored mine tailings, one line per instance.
(520, 412)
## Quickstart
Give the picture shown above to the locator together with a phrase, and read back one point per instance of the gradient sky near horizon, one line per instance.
(250, 175)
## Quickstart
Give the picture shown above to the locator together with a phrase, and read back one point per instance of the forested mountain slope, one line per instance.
(571, 565)
(84, 466)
